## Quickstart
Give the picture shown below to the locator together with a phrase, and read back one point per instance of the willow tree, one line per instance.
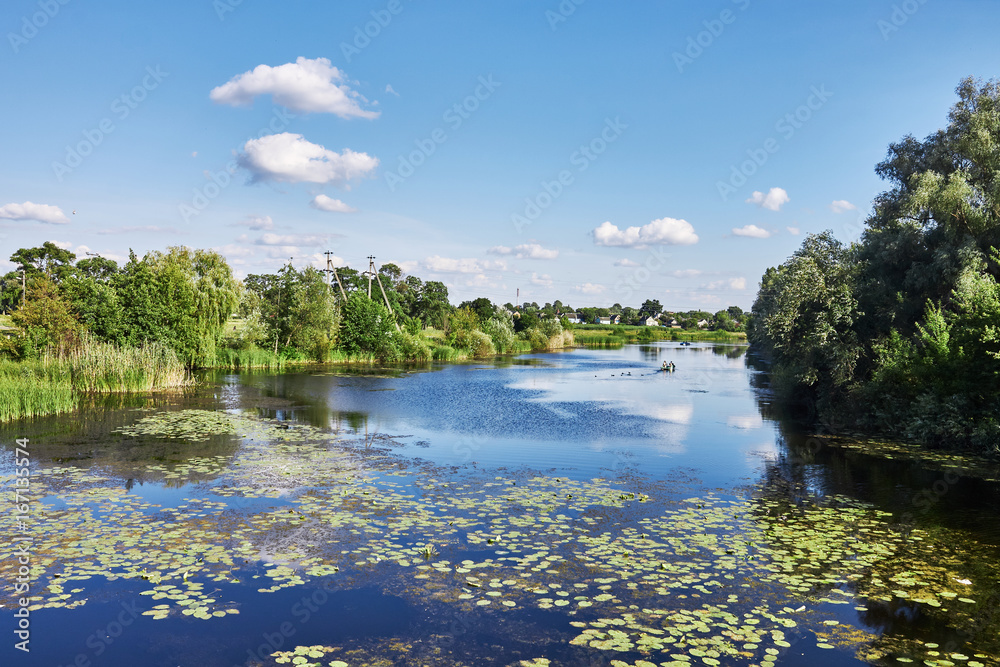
(182, 297)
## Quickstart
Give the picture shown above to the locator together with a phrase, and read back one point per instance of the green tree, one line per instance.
(46, 320)
(367, 328)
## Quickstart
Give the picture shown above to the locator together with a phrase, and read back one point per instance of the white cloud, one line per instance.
(665, 231)
(752, 231)
(234, 250)
(686, 273)
(282, 251)
(842, 205)
(324, 203)
(292, 239)
(589, 288)
(627, 263)
(47, 213)
(308, 86)
(749, 421)
(731, 283)
(257, 222)
(289, 158)
(794, 231)
(525, 251)
(544, 280)
(389, 90)
(155, 229)
(65, 245)
(448, 265)
(772, 201)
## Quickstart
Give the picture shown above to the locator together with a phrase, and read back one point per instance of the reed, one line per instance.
(104, 368)
(53, 384)
(30, 390)
(254, 357)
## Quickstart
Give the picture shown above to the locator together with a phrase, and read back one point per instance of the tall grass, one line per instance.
(53, 384)
(254, 357)
(31, 389)
(103, 367)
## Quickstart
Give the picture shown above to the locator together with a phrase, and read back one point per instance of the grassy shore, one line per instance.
(52, 385)
(602, 336)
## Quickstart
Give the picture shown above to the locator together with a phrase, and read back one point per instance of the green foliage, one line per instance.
(461, 325)
(367, 327)
(54, 384)
(902, 331)
(500, 329)
(413, 347)
(46, 320)
(482, 307)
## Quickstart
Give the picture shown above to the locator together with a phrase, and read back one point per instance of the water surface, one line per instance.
(578, 507)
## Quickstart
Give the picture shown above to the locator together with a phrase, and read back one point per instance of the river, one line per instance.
(572, 508)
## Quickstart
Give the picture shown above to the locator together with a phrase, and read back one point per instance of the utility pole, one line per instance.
(517, 301)
(387, 304)
(331, 269)
(277, 311)
(371, 269)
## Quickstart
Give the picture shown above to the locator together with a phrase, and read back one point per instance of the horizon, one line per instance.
(574, 151)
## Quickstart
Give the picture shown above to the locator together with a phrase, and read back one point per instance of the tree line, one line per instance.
(189, 301)
(899, 333)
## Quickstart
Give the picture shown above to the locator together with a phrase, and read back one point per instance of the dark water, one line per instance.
(739, 515)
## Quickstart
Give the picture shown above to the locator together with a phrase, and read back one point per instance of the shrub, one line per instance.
(501, 332)
(481, 345)
(413, 348)
(367, 327)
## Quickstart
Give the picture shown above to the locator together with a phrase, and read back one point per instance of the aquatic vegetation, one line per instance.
(30, 390)
(53, 385)
(631, 571)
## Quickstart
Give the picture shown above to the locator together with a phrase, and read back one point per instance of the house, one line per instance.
(574, 318)
(9, 332)
(702, 324)
(614, 319)
(651, 322)
(673, 323)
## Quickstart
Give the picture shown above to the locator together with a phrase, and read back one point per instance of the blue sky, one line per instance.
(594, 152)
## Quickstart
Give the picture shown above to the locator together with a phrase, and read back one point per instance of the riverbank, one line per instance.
(56, 385)
(602, 336)
(53, 385)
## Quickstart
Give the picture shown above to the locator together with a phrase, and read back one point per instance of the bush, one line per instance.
(480, 345)
(367, 327)
(550, 328)
(413, 348)
(501, 332)
(538, 340)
